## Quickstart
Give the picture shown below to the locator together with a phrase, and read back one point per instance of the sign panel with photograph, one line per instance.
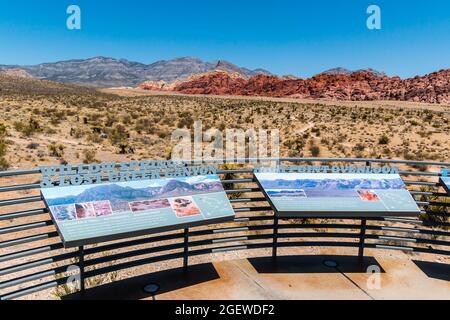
(88, 214)
(336, 194)
(445, 180)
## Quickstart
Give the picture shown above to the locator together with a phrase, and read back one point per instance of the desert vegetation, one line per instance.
(63, 124)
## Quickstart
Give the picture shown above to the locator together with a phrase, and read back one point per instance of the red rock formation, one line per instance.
(358, 86)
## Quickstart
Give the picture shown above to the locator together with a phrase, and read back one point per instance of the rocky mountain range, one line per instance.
(110, 72)
(357, 86)
(190, 75)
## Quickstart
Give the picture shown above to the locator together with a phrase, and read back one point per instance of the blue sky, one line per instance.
(285, 36)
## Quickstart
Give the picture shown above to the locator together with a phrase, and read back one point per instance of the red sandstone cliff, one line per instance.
(358, 86)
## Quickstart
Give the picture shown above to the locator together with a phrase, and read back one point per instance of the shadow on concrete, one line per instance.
(167, 280)
(440, 271)
(313, 264)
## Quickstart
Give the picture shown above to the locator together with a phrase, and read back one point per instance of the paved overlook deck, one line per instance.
(291, 277)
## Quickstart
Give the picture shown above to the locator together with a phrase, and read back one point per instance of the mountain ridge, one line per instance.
(101, 71)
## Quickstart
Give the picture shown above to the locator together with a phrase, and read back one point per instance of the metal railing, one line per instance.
(32, 257)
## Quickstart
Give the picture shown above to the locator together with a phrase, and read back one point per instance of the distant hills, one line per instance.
(110, 72)
(347, 72)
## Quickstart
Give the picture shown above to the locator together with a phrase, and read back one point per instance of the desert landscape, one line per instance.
(45, 122)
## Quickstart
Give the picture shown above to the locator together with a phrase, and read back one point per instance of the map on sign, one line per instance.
(336, 194)
(94, 213)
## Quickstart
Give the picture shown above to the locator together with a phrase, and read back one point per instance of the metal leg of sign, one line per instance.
(362, 237)
(186, 249)
(275, 237)
(81, 266)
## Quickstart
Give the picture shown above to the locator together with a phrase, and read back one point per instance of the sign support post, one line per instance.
(81, 266)
(186, 249)
(362, 236)
(275, 237)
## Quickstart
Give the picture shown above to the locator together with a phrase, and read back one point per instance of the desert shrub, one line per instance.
(145, 125)
(315, 150)
(185, 121)
(56, 150)
(89, 156)
(3, 148)
(29, 128)
(384, 139)
(32, 145)
(3, 131)
(119, 134)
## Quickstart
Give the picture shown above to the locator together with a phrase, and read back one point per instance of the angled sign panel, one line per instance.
(88, 214)
(337, 194)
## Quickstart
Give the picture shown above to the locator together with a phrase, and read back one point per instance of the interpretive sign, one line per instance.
(445, 180)
(87, 214)
(307, 194)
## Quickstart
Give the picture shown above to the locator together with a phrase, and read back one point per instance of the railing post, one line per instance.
(186, 249)
(81, 266)
(362, 236)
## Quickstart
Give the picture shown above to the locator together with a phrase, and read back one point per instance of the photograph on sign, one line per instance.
(94, 213)
(445, 181)
(336, 194)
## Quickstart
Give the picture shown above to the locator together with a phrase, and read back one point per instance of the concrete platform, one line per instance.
(289, 277)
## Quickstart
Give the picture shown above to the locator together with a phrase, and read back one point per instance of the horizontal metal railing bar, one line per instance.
(396, 229)
(381, 246)
(437, 203)
(432, 241)
(250, 180)
(35, 276)
(18, 187)
(397, 238)
(38, 263)
(233, 229)
(22, 214)
(247, 209)
(230, 239)
(409, 230)
(135, 242)
(33, 289)
(432, 251)
(241, 190)
(18, 172)
(10, 202)
(233, 248)
(282, 159)
(38, 237)
(129, 254)
(415, 173)
(29, 252)
(235, 171)
(243, 200)
(402, 220)
(427, 193)
(421, 183)
(130, 264)
(27, 226)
